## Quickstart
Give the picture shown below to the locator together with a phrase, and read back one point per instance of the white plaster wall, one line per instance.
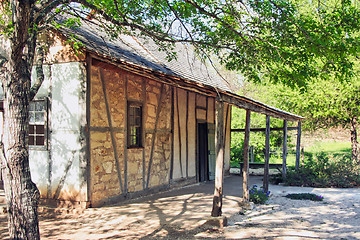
(192, 136)
(66, 114)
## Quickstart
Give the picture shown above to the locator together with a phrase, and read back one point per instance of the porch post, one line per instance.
(246, 158)
(285, 151)
(297, 163)
(267, 154)
(219, 171)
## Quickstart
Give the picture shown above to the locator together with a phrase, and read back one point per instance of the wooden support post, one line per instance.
(267, 155)
(246, 196)
(298, 142)
(285, 151)
(219, 171)
(252, 153)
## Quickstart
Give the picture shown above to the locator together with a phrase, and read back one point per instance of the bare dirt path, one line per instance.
(181, 214)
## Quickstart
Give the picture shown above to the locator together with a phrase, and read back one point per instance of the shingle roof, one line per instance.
(146, 54)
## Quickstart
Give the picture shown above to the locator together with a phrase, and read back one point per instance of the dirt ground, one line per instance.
(182, 213)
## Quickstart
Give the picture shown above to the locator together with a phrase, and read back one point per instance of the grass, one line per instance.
(330, 147)
(305, 196)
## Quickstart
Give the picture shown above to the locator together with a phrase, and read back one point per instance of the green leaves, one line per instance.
(288, 41)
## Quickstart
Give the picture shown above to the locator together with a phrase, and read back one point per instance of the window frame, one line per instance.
(132, 123)
(46, 116)
(46, 127)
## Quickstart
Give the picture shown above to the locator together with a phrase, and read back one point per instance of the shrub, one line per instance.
(325, 170)
(305, 196)
(258, 196)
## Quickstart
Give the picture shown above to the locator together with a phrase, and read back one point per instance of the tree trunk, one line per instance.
(21, 193)
(354, 142)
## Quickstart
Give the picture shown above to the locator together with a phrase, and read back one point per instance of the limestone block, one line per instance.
(152, 98)
(106, 178)
(108, 167)
(154, 180)
(151, 110)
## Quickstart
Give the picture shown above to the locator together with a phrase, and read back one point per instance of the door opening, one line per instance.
(207, 156)
(203, 152)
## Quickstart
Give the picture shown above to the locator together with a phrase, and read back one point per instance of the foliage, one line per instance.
(325, 170)
(257, 139)
(305, 196)
(258, 196)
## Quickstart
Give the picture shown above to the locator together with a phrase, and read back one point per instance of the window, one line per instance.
(134, 131)
(37, 123)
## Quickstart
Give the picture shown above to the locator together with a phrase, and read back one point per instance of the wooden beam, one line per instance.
(226, 125)
(126, 82)
(246, 196)
(143, 134)
(298, 143)
(255, 106)
(285, 151)
(172, 119)
(264, 129)
(86, 130)
(267, 155)
(219, 171)
(187, 135)
(112, 135)
(252, 153)
(158, 110)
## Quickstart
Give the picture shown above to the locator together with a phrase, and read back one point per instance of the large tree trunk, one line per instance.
(354, 142)
(21, 193)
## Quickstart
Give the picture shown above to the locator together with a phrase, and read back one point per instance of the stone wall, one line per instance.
(115, 169)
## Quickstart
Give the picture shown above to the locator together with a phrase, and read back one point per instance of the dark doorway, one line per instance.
(203, 152)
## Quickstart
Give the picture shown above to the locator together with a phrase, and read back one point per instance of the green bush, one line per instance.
(305, 196)
(258, 196)
(325, 170)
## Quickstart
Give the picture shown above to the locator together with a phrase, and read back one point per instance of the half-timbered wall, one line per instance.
(115, 168)
(190, 109)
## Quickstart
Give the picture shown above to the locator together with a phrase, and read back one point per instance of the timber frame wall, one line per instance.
(169, 154)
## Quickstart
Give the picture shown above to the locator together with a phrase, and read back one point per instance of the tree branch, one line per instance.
(227, 25)
(39, 73)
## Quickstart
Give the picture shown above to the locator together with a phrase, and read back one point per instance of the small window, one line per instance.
(134, 131)
(37, 123)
